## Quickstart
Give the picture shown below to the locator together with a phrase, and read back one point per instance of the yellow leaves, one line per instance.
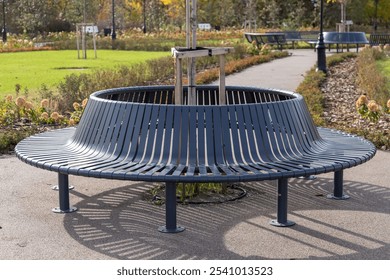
(135, 5)
(166, 2)
(334, 1)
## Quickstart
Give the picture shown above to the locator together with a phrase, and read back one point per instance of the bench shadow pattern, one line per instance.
(120, 224)
(138, 134)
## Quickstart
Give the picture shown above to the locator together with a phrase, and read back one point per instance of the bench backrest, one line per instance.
(379, 39)
(345, 38)
(277, 38)
(196, 136)
(309, 35)
(273, 38)
(289, 35)
(249, 37)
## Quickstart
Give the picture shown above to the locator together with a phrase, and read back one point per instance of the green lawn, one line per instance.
(32, 69)
(384, 67)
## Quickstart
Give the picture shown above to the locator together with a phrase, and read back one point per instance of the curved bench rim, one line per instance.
(105, 92)
(333, 136)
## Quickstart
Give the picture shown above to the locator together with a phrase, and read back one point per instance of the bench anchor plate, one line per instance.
(338, 187)
(63, 190)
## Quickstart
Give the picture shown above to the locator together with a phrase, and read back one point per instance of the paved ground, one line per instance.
(114, 222)
(284, 73)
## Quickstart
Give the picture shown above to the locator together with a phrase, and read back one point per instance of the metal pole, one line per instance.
(281, 220)
(63, 188)
(321, 57)
(376, 16)
(4, 31)
(144, 14)
(113, 34)
(338, 187)
(170, 210)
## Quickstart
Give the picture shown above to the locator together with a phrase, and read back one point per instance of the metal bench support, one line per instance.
(338, 187)
(281, 220)
(63, 188)
(170, 210)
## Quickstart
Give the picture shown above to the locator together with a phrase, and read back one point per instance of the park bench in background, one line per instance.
(344, 38)
(137, 133)
(278, 39)
(379, 39)
(294, 37)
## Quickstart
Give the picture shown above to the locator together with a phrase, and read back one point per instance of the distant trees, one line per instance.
(37, 16)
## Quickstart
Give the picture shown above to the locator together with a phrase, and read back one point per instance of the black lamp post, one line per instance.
(376, 16)
(113, 34)
(144, 15)
(321, 56)
(4, 31)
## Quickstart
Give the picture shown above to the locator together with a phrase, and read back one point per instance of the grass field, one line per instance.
(32, 69)
(384, 67)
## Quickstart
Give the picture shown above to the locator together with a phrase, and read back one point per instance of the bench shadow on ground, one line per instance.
(120, 224)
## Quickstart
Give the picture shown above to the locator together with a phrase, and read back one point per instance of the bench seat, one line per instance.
(58, 151)
(138, 134)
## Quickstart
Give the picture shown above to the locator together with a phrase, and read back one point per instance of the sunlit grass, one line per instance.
(384, 68)
(32, 69)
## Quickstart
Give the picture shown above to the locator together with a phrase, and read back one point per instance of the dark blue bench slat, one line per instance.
(106, 148)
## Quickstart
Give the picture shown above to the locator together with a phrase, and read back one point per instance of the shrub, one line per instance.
(310, 90)
(9, 138)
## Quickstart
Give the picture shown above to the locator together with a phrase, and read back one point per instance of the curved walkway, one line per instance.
(286, 73)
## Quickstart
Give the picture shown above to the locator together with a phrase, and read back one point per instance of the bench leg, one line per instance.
(338, 187)
(170, 210)
(63, 190)
(281, 220)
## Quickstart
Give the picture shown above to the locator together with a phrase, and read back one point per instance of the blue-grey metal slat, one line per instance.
(192, 160)
(106, 147)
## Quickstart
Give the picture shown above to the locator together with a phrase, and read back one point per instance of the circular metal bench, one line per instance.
(137, 133)
(344, 38)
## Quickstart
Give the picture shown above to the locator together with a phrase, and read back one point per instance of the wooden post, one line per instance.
(222, 84)
(179, 82)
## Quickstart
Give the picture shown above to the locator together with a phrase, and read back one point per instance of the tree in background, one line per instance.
(40, 16)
